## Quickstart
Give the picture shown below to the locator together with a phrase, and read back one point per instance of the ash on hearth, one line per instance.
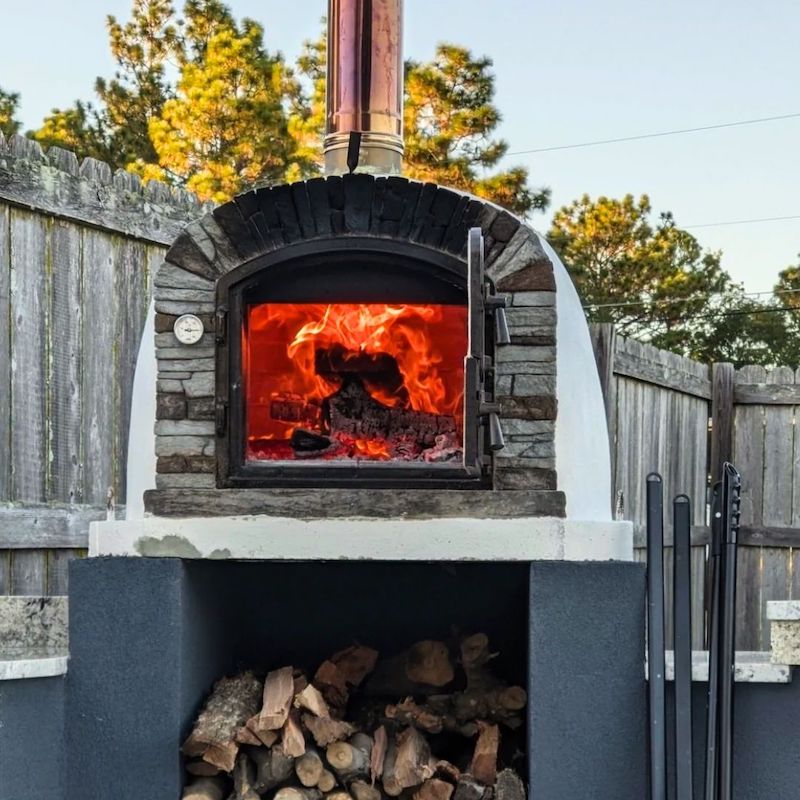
(422, 725)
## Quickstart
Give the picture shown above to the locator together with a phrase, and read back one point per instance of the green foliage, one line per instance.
(9, 103)
(227, 128)
(450, 118)
(656, 283)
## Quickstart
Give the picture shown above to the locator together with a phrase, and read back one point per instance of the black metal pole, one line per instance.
(731, 488)
(714, 585)
(682, 614)
(655, 636)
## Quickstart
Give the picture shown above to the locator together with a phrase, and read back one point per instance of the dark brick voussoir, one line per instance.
(437, 217)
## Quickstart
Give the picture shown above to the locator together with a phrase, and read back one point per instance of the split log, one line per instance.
(350, 759)
(378, 753)
(267, 738)
(344, 671)
(231, 703)
(297, 793)
(278, 695)
(326, 730)
(411, 765)
(468, 788)
(484, 760)
(327, 781)
(309, 768)
(409, 713)
(311, 699)
(202, 769)
(445, 770)
(361, 790)
(380, 370)
(424, 667)
(509, 786)
(205, 789)
(243, 780)
(434, 789)
(294, 743)
(245, 736)
(300, 681)
(273, 767)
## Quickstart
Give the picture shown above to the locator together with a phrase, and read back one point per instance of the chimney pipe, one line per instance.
(365, 87)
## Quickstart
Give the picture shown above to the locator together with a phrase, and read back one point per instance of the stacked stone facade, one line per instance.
(434, 217)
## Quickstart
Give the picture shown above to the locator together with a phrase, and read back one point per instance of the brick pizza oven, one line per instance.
(367, 410)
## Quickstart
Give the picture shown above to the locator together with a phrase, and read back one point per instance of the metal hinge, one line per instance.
(221, 324)
(221, 416)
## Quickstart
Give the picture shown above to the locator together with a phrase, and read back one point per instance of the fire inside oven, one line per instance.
(353, 382)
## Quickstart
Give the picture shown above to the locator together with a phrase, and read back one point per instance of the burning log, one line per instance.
(352, 410)
(378, 369)
(232, 702)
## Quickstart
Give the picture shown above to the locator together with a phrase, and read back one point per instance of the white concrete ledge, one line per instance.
(751, 667)
(783, 610)
(14, 669)
(285, 539)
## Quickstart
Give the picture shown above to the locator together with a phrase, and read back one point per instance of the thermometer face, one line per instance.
(188, 329)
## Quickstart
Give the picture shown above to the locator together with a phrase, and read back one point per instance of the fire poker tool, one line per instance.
(730, 503)
(682, 615)
(713, 589)
(655, 636)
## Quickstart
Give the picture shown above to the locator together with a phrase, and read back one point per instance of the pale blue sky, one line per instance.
(567, 71)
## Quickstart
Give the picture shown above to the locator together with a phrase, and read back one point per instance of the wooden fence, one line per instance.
(683, 419)
(77, 248)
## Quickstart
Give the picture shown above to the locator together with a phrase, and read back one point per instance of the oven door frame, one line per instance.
(417, 265)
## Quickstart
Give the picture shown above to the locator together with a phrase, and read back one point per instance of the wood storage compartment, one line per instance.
(363, 681)
(431, 722)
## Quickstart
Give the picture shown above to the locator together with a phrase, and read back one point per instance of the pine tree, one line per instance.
(9, 103)
(450, 118)
(226, 128)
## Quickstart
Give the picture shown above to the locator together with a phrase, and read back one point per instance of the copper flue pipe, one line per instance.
(365, 84)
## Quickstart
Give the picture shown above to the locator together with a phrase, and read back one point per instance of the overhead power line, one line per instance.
(659, 134)
(673, 300)
(743, 221)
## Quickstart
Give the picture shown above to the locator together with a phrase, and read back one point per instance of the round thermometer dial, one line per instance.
(188, 329)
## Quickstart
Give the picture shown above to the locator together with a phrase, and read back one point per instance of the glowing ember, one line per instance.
(344, 381)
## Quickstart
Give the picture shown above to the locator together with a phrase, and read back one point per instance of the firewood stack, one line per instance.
(422, 725)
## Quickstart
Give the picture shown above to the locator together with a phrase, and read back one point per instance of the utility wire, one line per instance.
(672, 300)
(660, 134)
(742, 221)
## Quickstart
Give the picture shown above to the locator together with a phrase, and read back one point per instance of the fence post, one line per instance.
(722, 379)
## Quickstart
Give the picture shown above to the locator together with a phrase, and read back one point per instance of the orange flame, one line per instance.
(427, 342)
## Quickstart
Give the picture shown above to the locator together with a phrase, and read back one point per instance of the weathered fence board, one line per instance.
(659, 407)
(77, 251)
(29, 271)
(66, 332)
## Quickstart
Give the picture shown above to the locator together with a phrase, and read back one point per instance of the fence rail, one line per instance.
(683, 419)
